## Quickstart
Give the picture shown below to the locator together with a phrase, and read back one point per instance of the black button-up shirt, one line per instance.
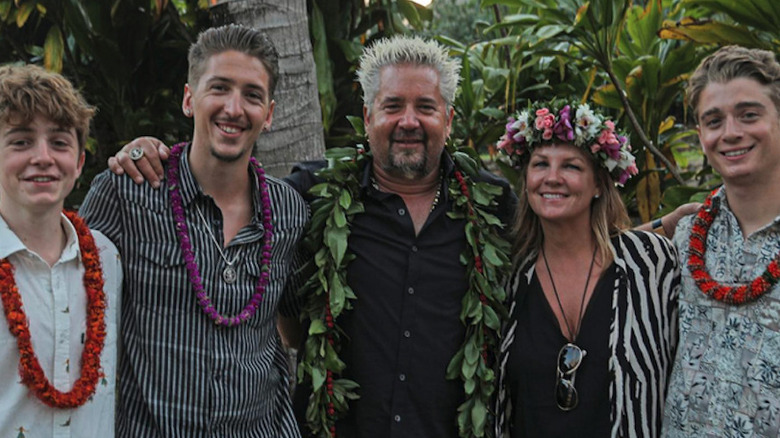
(404, 328)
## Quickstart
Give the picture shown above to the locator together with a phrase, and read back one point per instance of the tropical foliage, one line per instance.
(127, 56)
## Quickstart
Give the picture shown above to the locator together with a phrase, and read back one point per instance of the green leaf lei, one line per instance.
(328, 295)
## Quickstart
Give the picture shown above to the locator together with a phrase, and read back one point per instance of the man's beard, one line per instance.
(399, 164)
(231, 158)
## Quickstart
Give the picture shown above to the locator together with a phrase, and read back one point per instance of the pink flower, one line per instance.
(544, 119)
(547, 134)
(624, 176)
(595, 147)
(632, 169)
(505, 144)
(609, 143)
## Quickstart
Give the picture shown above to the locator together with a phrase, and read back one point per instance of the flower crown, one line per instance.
(586, 128)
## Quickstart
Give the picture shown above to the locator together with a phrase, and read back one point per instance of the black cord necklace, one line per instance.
(572, 334)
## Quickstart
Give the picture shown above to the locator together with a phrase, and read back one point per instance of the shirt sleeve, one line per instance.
(102, 208)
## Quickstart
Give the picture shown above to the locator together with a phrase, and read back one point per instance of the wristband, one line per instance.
(658, 226)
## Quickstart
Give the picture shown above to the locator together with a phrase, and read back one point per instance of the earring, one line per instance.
(596, 196)
(187, 112)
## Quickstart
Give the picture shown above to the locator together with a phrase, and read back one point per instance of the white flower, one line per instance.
(626, 159)
(610, 164)
(586, 125)
(522, 126)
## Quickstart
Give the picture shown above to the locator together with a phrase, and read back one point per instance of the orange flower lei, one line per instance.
(745, 293)
(29, 367)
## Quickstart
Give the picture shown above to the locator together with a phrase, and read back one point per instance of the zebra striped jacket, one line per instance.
(643, 333)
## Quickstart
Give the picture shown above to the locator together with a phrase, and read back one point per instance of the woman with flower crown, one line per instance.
(590, 339)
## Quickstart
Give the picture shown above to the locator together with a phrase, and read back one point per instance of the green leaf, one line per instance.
(336, 239)
(337, 295)
(53, 49)
(409, 11)
(317, 378)
(5, 9)
(478, 417)
(339, 219)
(465, 162)
(317, 327)
(490, 255)
(357, 125)
(347, 384)
(332, 361)
(491, 219)
(23, 13)
(468, 369)
(469, 386)
(491, 318)
(453, 368)
(345, 199)
(471, 351)
(320, 190)
(711, 32)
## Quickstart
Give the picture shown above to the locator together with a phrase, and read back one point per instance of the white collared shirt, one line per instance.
(55, 302)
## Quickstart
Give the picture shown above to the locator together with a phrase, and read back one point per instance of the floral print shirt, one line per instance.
(726, 377)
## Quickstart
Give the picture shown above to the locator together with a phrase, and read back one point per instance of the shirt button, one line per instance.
(410, 290)
(407, 333)
(402, 377)
(414, 248)
(397, 418)
(401, 212)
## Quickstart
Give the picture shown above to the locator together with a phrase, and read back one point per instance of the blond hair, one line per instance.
(732, 62)
(29, 90)
(400, 50)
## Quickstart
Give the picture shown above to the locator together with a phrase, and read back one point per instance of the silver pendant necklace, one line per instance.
(229, 274)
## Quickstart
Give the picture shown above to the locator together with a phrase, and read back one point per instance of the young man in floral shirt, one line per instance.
(726, 379)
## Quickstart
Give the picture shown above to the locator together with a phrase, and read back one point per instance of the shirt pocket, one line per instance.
(159, 274)
(254, 268)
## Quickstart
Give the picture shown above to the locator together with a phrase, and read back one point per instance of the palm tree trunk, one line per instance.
(297, 132)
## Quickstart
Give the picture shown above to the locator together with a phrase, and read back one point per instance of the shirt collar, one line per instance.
(11, 244)
(720, 201)
(188, 186)
(191, 190)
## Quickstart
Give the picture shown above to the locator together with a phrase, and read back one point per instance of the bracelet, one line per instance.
(658, 226)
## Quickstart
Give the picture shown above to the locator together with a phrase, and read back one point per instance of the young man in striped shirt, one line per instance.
(206, 258)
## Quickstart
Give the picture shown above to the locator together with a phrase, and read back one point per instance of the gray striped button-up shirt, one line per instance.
(180, 374)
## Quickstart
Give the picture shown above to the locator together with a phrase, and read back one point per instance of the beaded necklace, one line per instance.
(737, 295)
(186, 244)
(29, 367)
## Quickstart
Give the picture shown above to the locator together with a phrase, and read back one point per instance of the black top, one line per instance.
(532, 367)
(405, 325)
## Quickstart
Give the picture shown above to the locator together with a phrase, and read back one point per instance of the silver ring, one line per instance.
(136, 153)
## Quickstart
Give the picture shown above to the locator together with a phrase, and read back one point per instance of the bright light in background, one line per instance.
(423, 2)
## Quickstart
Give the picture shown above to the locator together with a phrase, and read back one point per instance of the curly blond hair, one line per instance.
(28, 90)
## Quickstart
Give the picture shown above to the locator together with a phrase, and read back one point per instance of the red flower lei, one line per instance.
(29, 368)
(745, 293)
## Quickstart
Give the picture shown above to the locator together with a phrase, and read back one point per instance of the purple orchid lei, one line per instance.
(189, 257)
(586, 128)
